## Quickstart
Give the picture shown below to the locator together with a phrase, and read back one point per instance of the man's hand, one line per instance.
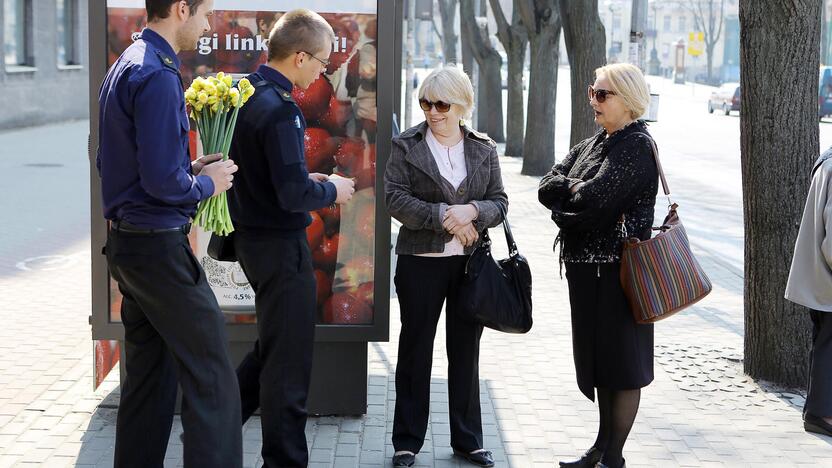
(467, 235)
(221, 173)
(344, 188)
(458, 216)
(575, 188)
(202, 161)
(318, 177)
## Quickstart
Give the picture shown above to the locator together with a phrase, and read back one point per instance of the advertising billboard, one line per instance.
(341, 109)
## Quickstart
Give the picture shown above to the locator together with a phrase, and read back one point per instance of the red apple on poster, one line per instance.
(315, 231)
(336, 116)
(313, 101)
(320, 148)
(365, 292)
(323, 286)
(345, 308)
(327, 253)
(332, 218)
(350, 154)
(365, 177)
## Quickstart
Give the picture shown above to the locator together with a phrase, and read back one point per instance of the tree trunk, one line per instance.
(489, 62)
(779, 43)
(586, 47)
(544, 39)
(515, 119)
(824, 35)
(447, 11)
(514, 40)
(710, 52)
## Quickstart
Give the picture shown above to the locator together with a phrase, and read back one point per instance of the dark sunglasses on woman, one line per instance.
(439, 105)
(600, 95)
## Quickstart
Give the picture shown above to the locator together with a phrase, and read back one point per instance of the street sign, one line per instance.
(696, 43)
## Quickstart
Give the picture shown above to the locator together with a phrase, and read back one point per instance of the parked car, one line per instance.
(726, 99)
(825, 93)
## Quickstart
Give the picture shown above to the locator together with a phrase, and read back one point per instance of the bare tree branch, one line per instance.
(526, 8)
(503, 28)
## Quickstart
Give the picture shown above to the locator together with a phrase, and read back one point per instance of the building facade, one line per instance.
(44, 72)
(670, 23)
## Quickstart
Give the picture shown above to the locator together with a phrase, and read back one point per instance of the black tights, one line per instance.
(618, 410)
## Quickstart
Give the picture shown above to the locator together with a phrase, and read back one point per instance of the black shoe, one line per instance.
(405, 459)
(812, 423)
(484, 458)
(602, 465)
(587, 460)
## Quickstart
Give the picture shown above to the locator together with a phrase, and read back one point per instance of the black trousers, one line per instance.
(275, 375)
(173, 330)
(423, 284)
(819, 396)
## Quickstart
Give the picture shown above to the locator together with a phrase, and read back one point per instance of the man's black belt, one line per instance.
(121, 226)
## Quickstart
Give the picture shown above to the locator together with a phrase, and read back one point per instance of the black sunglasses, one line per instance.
(439, 105)
(600, 95)
(323, 62)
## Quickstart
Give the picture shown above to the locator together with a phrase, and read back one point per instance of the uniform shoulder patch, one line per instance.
(285, 95)
(167, 61)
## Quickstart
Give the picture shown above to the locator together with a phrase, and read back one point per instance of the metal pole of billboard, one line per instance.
(408, 81)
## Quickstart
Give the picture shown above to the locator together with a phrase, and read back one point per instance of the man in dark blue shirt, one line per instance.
(173, 326)
(269, 205)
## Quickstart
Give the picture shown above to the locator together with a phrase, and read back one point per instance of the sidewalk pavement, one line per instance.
(700, 411)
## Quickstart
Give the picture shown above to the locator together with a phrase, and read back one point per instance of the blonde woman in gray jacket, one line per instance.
(810, 285)
(443, 183)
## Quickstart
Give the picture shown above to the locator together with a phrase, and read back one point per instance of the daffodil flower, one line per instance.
(214, 103)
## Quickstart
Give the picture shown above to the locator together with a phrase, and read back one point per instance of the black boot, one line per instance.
(602, 465)
(812, 423)
(404, 459)
(587, 460)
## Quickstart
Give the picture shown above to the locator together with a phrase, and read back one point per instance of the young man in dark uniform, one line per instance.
(173, 327)
(269, 206)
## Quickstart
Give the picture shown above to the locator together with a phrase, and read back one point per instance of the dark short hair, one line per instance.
(299, 30)
(160, 9)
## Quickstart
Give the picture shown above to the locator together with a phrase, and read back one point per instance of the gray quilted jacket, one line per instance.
(417, 195)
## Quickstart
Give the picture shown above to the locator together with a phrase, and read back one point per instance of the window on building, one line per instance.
(67, 26)
(15, 33)
(616, 22)
(683, 24)
(667, 26)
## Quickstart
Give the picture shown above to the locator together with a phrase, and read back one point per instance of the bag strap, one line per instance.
(658, 163)
(512, 246)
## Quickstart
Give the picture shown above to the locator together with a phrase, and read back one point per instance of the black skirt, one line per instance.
(610, 349)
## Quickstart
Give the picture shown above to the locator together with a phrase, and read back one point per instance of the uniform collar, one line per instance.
(155, 39)
(275, 77)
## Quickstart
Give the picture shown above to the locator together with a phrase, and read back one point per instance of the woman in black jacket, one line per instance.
(602, 191)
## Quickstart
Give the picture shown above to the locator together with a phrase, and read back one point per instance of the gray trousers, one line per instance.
(819, 395)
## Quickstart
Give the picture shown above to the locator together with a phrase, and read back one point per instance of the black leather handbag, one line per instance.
(497, 294)
(222, 248)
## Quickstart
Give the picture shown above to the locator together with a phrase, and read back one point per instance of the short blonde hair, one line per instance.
(450, 84)
(627, 82)
(299, 30)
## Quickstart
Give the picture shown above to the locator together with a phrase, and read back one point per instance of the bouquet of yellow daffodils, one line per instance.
(214, 103)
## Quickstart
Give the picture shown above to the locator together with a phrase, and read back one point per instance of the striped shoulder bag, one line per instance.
(660, 276)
